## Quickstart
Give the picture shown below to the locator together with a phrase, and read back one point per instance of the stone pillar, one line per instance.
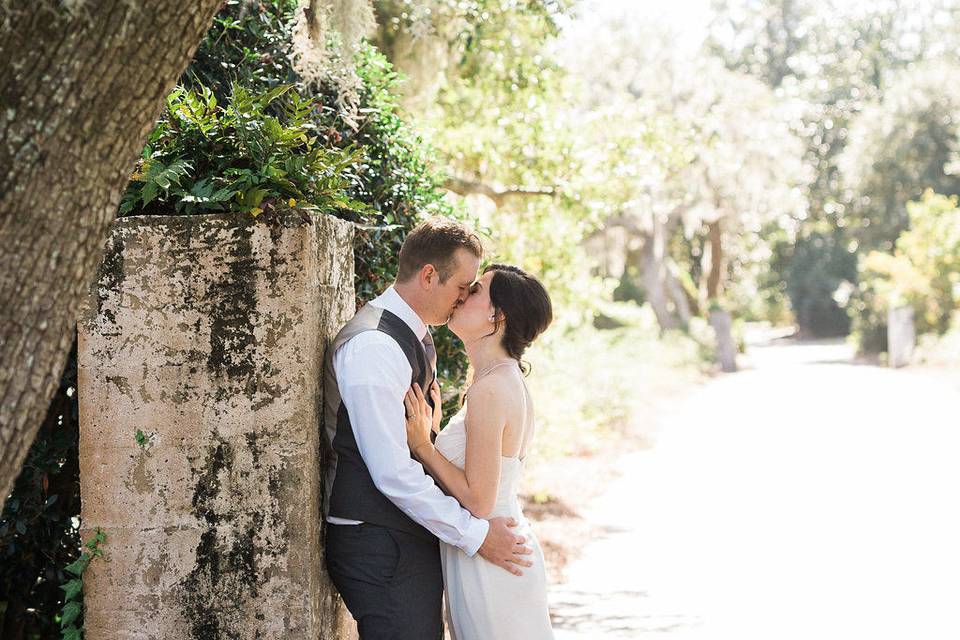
(901, 336)
(206, 333)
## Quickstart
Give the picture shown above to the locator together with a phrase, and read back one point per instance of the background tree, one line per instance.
(923, 271)
(716, 162)
(828, 59)
(492, 102)
(906, 141)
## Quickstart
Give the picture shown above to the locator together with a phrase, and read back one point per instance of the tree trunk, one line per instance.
(81, 84)
(678, 294)
(653, 273)
(720, 320)
(716, 260)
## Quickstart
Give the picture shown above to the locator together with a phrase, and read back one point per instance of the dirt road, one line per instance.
(805, 497)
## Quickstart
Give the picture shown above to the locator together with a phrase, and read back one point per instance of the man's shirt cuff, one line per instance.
(473, 539)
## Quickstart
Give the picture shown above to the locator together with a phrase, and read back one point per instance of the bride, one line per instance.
(479, 456)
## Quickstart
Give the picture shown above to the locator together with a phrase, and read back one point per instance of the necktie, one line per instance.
(431, 350)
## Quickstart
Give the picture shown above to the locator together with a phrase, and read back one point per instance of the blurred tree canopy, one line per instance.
(904, 142)
(692, 160)
(835, 62)
(493, 102)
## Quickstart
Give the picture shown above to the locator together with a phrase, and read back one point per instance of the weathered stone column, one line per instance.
(722, 324)
(901, 336)
(207, 334)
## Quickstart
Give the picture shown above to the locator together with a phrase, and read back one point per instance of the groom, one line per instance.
(384, 513)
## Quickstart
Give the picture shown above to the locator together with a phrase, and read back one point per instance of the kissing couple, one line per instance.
(413, 511)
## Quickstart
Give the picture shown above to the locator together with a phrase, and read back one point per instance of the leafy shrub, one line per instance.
(577, 419)
(249, 43)
(204, 157)
(39, 530)
(923, 271)
(818, 267)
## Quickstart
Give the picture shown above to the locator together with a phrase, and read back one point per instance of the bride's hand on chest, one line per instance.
(421, 419)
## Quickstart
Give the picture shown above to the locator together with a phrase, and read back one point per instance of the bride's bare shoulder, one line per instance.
(503, 387)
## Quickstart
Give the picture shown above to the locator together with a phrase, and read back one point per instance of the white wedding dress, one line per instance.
(485, 602)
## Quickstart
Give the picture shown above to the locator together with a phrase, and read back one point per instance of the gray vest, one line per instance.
(350, 491)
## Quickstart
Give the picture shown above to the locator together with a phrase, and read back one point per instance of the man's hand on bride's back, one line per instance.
(505, 548)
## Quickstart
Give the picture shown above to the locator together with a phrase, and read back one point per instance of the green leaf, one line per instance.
(72, 633)
(129, 200)
(254, 197)
(273, 128)
(71, 611)
(273, 94)
(96, 540)
(223, 195)
(77, 566)
(72, 588)
(202, 188)
(150, 192)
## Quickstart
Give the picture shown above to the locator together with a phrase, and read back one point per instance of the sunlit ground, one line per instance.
(805, 498)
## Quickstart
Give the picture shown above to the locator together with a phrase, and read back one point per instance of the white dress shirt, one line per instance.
(373, 376)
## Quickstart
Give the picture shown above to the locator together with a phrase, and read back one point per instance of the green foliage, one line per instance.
(279, 139)
(238, 133)
(438, 41)
(397, 181)
(203, 156)
(38, 527)
(816, 268)
(830, 62)
(678, 142)
(498, 118)
(631, 367)
(73, 587)
(923, 271)
(900, 145)
(400, 187)
(500, 123)
(248, 44)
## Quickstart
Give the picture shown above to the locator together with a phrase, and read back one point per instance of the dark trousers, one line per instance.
(391, 581)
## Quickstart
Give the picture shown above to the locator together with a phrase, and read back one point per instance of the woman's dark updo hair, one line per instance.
(525, 305)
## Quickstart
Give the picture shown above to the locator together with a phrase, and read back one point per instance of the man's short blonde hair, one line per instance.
(435, 241)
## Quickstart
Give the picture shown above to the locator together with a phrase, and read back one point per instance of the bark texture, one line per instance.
(81, 85)
(714, 278)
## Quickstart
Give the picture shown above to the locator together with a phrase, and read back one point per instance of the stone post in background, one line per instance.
(722, 324)
(901, 336)
(206, 333)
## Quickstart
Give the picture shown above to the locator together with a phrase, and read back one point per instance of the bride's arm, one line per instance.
(475, 487)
